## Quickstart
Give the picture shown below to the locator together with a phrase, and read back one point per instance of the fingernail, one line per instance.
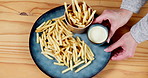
(108, 41)
(113, 58)
(106, 49)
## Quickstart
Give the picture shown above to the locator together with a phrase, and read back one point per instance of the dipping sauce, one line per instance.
(98, 33)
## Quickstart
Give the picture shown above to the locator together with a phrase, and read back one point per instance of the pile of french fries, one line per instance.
(57, 43)
(79, 14)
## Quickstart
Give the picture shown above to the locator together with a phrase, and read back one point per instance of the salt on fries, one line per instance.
(79, 14)
(57, 43)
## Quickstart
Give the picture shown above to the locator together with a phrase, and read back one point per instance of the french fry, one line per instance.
(60, 64)
(59, 18)
(80, 26)
(67, 60)
(65, 5)
(73, 6)
(89, 50)
(83, 67)
(41, 25)
(69, 52)
(41, 29)
(41, 44)
(90, 18)
(73, 20)
(85, 17)
(67, 37)
(63, 26)
(47, 53)
(75, 51)
(48, 22)
(85, 52)
(48, 56)
(75, 13)
(37, 38)
(73, 66)
(60, 38)
(74, 56)
(89, 12)
(64, 61)
(84, 7)
(49, 31)
(67, 42)
(77, 6)
(77, 61)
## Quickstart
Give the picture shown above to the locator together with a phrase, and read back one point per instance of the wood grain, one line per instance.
(16, 20)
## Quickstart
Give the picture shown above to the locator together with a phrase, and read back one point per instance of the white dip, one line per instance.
(97, 34)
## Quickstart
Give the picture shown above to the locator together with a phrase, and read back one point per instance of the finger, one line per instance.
(100, 18)
(121, 56)
(110, 36)
(111, 33)
(114, 46)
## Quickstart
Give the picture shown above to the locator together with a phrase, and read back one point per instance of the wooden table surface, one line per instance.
(16, 20)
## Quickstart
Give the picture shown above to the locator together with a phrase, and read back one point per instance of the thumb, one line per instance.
(100, 18)
(114, 46)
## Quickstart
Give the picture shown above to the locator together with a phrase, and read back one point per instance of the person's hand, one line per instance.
(117, 18)
(128, 45)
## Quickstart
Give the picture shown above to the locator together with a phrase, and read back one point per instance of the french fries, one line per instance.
(79, 14)
(57, 42)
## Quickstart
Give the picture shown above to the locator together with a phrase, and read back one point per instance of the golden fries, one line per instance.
(57, 42)
(79, 14)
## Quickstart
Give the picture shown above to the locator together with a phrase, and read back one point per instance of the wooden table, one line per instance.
(16, 20)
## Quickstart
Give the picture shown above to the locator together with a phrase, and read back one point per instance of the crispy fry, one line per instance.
(77, 6)
(85, 17)
(65, 5)
(73, 66)
(83, 66)
(61, 18)
(92, 15)
(73, 20)
(89, 12)
(73, 6)
(41, 29)
(60, 64)
(66, 10)
(78, 39)
(37, 37)
(48, 56)
(48, 22)
(48, 53)
(85, 51)
(41, 25)
(84, 7)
